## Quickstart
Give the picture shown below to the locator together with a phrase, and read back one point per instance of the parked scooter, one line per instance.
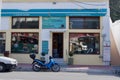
(38, 65)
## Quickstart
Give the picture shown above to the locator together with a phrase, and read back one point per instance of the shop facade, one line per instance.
(56, 30)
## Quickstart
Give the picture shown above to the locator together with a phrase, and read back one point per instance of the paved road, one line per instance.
(30, 75)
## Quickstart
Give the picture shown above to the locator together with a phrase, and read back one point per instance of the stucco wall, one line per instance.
(51, 0)
(60, 5)
(87, 60)
(115, 57)
(5, 23)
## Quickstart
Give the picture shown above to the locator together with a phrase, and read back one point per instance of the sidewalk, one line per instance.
(91, 69)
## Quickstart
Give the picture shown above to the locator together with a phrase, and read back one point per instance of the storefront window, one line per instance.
(24, 42)
(84, 23)
(84, 43)
(2, 42)
(25, 22)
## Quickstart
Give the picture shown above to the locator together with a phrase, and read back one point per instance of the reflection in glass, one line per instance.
(24, 42)
(84, 43)
(25, 22)
(84, 23)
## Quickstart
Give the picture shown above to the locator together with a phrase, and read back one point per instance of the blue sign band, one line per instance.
(54, 12)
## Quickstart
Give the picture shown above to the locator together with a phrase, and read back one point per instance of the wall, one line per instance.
(59, 5)
(115, 43)
(5, 23)
(50, 0)
(115, 57)
(87, 60)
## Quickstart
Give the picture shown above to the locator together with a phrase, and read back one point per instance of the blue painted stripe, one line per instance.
(54, 12)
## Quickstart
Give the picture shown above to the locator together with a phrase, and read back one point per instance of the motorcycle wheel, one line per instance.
(55, 68)
(36, 67)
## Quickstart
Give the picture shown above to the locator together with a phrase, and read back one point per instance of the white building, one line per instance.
(56, 28)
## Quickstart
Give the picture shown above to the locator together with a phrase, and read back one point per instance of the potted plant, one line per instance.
(70, 59)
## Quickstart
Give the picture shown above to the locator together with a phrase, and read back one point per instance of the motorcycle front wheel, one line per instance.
(55, 68)
(36, 67)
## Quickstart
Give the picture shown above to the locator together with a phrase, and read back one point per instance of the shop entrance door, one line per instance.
(57, 45)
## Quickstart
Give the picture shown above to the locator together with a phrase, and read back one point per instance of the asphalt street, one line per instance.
(30, 75)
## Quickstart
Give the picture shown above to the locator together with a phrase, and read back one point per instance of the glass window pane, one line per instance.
(84, 43)
(24, 42)
(92, 23)
(76, 23)
(25, 22)
(84, 23)
(2, 42)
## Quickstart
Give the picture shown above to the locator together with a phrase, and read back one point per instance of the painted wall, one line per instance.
(5, 23)
(46, 33)
(87, 60)
(106, 24)
(115, 57)
(59, 5)
(51, 0)
(115, 28)
(115, 43)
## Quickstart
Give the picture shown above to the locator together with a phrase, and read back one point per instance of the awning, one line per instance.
(54, 12)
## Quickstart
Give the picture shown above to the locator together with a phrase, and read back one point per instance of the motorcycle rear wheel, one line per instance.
(36, 67)
(55, 68)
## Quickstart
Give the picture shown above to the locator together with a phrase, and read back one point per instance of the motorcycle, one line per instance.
(38, 65)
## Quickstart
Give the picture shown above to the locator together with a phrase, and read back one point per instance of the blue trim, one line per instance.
(54, 12)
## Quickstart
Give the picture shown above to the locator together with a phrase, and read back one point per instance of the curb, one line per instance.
(84, 69)
(87, 70)
(24, 67)
(66, 69)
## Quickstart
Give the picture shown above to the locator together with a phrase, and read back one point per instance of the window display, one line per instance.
(84, 43)
(84, 23)
(24, 42)
(25, 22)
(2, 42)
